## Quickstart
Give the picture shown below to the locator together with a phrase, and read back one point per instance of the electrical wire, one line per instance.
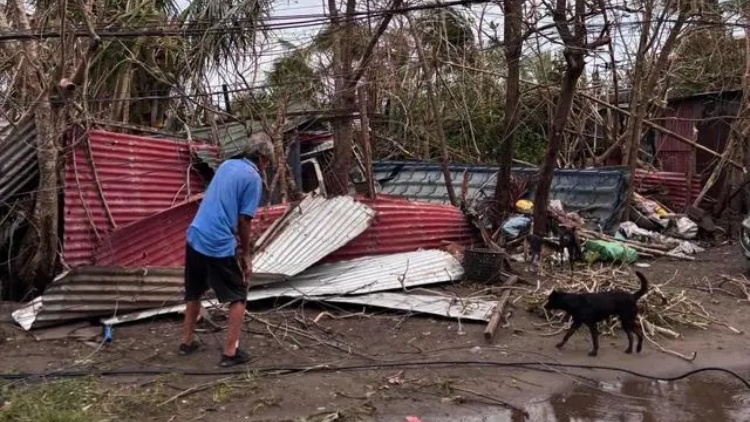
(286, 370)
(236, 25)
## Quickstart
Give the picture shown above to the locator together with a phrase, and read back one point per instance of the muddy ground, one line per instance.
(323, 339)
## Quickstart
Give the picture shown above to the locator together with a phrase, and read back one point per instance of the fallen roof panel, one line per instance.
(359, 276)
(445, 306)
(115, 179)
(402, 226)
(371, 274)
(158, 240)
(399, 225)
(86, 292)
(597, 193)
(309, 232)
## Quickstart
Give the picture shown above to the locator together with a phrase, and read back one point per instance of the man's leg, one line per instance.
(192, 312)
(226, 279)
(195, 286)
(236, 320)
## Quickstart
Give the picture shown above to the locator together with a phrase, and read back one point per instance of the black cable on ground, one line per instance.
(285, 370)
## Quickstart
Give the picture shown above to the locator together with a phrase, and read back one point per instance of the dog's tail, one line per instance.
(644, 285)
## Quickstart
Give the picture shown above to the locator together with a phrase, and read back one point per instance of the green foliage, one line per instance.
(78, 400)
(471, 102)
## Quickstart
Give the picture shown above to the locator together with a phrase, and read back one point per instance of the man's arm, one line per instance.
(249, 200)
(245, 232)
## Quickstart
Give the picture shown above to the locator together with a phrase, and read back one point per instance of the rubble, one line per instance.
(126, 213)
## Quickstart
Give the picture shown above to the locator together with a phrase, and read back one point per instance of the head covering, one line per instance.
(259, 145)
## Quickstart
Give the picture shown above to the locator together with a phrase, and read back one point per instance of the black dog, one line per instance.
(568, 241)
(590, 308)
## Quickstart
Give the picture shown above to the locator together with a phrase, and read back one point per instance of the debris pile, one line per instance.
(663, 311)
(654, 231)
(290, 262)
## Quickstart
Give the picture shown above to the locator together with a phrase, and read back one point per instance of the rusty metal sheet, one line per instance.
(18, 160)
(159, 240)
(678, 193)
(402, 226)
(308, 232)
(399, 226)
(86, 292)
(130, 178)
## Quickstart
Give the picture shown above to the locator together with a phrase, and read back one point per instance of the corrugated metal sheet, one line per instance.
(137, 176)
(678, 195)
(598, 193)
(86, 292)
(445, 306)
(398, 226)
(361, 276)
(309, 232)
(401, 226)
(674, 155)
(158, 240)
(370, 274)
(18, 161)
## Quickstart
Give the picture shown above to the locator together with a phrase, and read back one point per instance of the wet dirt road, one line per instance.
(699, 398)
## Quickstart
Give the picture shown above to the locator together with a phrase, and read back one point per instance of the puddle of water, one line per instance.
(696, 399)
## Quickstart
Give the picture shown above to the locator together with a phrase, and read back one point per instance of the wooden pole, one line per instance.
(691, 171)
(366, 147)
(497, 314)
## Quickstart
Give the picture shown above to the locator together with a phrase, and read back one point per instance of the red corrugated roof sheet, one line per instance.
(399, 226)
(137, 177)
(159, 240)
(675, 184)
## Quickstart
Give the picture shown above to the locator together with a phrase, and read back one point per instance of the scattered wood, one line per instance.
(663, 310)
(650, 249)
(497, 315)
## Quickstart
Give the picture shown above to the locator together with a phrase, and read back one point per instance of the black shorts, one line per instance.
(223, 275)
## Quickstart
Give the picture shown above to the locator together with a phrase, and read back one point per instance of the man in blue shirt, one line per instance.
(229, 205)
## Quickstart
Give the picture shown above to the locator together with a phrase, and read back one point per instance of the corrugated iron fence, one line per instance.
(678, 193)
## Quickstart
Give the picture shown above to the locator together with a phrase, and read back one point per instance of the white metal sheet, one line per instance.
(309, 232)
(445, 306)
(373, 274)
(359, 276)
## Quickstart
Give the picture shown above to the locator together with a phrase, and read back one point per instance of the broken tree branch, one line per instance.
(497, 314)
(662, 129)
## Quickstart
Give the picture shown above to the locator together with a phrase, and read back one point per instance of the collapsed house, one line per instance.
(128, 200)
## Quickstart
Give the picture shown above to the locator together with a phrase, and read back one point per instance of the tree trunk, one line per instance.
(344, 98)
(437, 120)
(39, 247)
(38, 263)
(513, 47)
(345, 83)
(575, 51)
(557, 134)
(644, 85)
(277, 136)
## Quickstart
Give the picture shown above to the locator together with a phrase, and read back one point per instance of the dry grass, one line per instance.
(664, 310)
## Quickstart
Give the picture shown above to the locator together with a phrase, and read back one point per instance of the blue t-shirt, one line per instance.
(235, 189)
